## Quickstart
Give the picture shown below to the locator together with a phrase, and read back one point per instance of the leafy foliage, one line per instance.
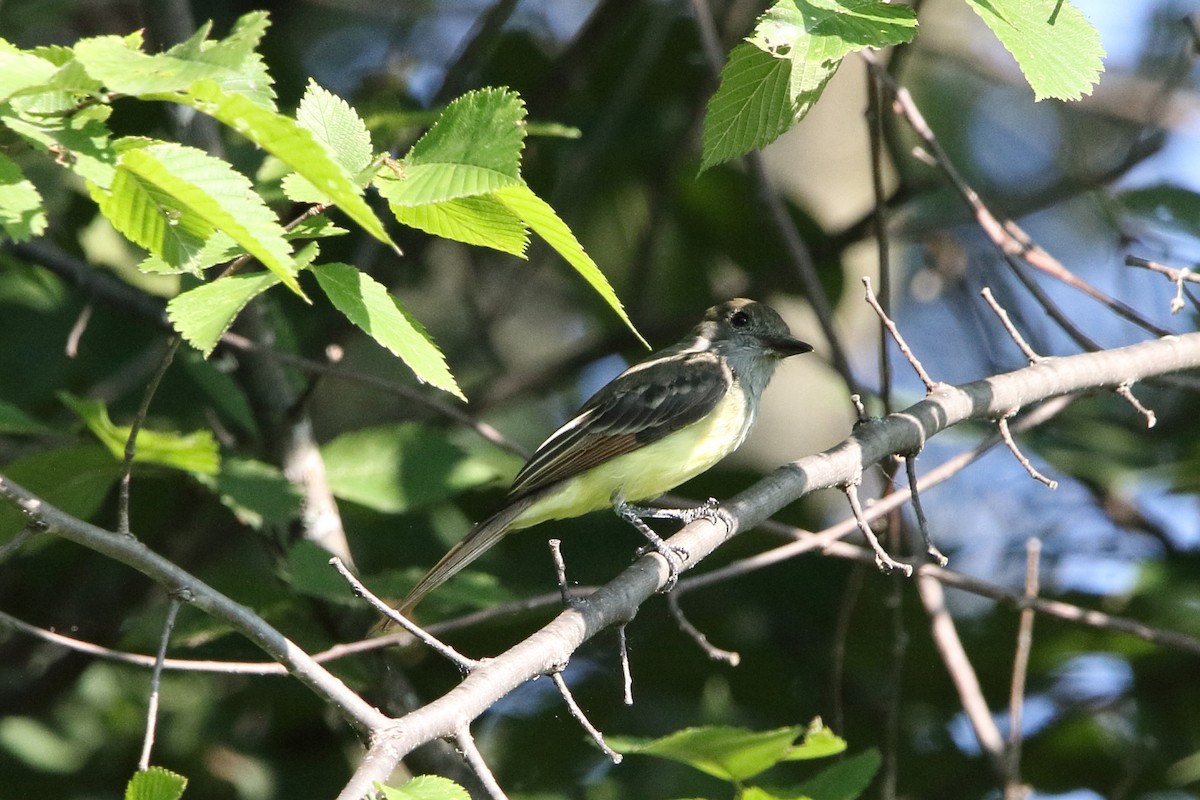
(155, 783)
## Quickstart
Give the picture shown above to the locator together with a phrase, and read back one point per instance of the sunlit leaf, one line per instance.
(202, 314)
(482, 220)
(337, 126)
(155, 783)
(731, 754)
(425, 787)
(369, 305)
(21, 213)
(192, 452)
(1056, 47)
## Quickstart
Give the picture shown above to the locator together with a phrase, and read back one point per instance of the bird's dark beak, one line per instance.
(784, 346)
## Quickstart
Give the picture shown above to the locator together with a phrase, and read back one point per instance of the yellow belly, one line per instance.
(652, 470)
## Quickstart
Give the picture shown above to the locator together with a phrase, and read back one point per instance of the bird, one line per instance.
(656, 425)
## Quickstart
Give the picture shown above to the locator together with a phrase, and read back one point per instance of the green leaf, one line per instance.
(155, 783)
(192, 452)
(770, 83)
(15, 421)
(220, 248)
(474, 148)
(819, 742)
(1056, 47)
(425, 787)
(283, 138)
(399, 468)
(307, 570)
(367, 304)
(731, 754)
(483, 221)
(208, 192)
(258, 494)
(202, 314)
(232, 64)
(20, 69)
(845, 780)
(538, 215)
(75, 479)
(337, 126)
(22, 215)
(758, 793)
(80, 141)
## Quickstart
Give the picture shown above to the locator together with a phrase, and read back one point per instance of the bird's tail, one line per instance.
(471, 547)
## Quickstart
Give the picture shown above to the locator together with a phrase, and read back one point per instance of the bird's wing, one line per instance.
(640, 406)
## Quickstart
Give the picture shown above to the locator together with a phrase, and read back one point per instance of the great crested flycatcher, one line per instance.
(654, 426)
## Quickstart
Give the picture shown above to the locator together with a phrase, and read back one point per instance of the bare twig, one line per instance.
(874, 119)
(1006, 435)
(1029, 352)
(430, 641)
(134, 428)
(475, 760)
(177, 600)
(1177, 276)
(581, 718)
(1126, 394)
(962, 673)
(626, 672)
(712, 651)
(930, 384)
(81, 323)
(882, 560)
(1013, 790)
(910, 468)
(560, 571)
(17, 542)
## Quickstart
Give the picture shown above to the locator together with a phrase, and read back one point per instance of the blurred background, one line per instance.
(1107, 715)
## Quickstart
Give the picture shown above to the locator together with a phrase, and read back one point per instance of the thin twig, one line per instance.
(910, 468)
(134, 428)
(962, 673)
(712, 651)
(1029, 352)
(560, 571)
(1006, 435)
(874, 117)
(430, 641)
(155, 679)
(81, 323)
(882, 560)
(1126, 394)
(1176, 276)
(930, 384)
(1013, 790)
(17, 542)
(581, 718)
(626, 672)
(474, 759)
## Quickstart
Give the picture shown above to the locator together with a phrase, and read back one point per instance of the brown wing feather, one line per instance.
(640, 406)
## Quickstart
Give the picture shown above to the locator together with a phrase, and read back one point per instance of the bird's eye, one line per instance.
(739, 319)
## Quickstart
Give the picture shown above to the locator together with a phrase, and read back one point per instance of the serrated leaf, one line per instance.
(757, 100)
(155, 783)
(370, 306)
(80, 141)
(283, 138)
(232, 64)
(337, 126)
(819, 742)
(192, 452)
(1056, 47)
(731, 754)
(74, 479)
(258, 494)
(173, 198)
(474, 148)
(220, 248)
(20, 69)
(202, 314)
(425, 787)
(846, 780)
(399, 468)
(539, 216)
(22, 215)
(483, 221)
